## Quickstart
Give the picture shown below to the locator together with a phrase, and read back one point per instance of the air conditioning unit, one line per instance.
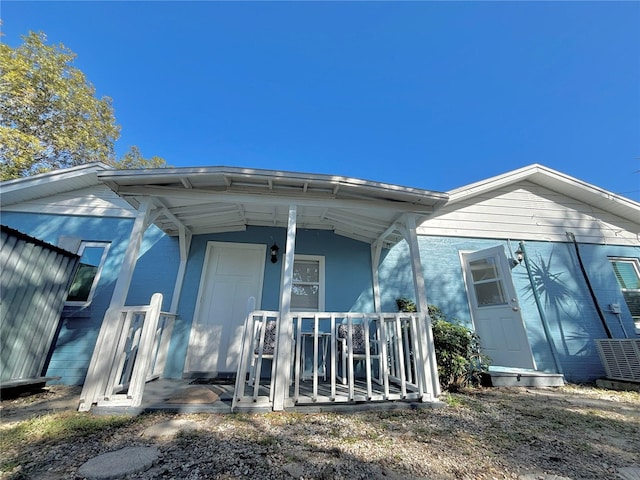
(620, 358)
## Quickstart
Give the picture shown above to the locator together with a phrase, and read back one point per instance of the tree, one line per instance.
(134, 159)
(49, 115)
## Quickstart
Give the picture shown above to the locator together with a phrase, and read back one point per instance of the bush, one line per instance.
(460, 363)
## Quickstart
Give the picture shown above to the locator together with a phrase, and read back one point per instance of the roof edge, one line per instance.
(54, 175)
(548, 178)
(115, 175)
(532, 172)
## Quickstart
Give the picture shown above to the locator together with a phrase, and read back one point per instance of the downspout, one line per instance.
(572, 238)
(543, 317)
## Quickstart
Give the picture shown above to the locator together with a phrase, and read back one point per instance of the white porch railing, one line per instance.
(249, 375)
(143, 334)
(328, 348)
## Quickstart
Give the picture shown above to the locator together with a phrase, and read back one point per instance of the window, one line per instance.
(307, 291)
(627, 272)
(92, 257)
(487, 283)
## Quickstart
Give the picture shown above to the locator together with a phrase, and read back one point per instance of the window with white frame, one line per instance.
(627, 272)
(85, 279)
(307, 290)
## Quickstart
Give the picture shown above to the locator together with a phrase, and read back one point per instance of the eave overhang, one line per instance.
(50, 183)
(220, 199)
(556, 181)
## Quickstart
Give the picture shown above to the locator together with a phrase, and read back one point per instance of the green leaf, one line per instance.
(49, 114)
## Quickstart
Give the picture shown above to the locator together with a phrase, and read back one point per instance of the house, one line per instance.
(179, 257)
(539, 264)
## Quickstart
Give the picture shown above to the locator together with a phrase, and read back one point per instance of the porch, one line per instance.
(194, 204)
(332, 359)
(190, 396)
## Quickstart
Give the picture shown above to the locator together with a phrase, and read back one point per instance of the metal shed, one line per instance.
(34, 281)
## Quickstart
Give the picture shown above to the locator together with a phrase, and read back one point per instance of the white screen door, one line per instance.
(494, 309)
(232, 273)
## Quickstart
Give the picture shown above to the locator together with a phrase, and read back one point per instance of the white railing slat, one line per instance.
(390, 341)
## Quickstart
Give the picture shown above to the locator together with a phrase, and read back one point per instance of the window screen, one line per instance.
(627, 273)
(308, 285)
(87, 274)
(487, 283)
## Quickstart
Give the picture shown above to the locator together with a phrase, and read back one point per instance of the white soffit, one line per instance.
(217, 199)
(558, 182)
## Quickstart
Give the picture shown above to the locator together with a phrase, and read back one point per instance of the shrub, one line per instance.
(460, 363)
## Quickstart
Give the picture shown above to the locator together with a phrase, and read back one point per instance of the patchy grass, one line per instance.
(57, 426)
(575, 432)
(52, 428)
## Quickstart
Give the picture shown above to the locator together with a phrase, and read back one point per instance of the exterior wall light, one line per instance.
(274, 253)
(519, 255)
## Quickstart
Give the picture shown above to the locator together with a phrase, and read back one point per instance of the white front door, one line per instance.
(494, 309)
(232, 273)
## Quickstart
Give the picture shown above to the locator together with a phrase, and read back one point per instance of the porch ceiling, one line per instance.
(222, 199)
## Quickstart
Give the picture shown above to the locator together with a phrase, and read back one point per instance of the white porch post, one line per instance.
(104, 351)
(285, 326)
(426, 345)
(131, 255)
(185, 245)
(376, 251)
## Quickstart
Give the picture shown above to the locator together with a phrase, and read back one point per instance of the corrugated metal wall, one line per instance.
(34, 281)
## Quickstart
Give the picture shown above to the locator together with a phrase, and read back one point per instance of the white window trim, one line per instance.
(96, 279)
(321, 278)
(636, 264)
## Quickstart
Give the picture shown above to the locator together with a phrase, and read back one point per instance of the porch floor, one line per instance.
(194, 396)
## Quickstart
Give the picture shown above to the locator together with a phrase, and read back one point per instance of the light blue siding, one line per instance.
(566, 302)
(605, 285)
(347, 275)
(156, 269)
(567, 306)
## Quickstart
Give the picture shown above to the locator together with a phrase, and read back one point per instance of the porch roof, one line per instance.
(223, 199)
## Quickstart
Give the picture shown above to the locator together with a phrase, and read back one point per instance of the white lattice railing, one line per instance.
(252, 355)
(327, 349)
(142, 336)
(139, 345)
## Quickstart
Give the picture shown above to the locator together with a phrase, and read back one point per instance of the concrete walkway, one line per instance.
(119, 463)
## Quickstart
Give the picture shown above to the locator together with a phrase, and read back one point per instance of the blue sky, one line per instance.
(433, 95)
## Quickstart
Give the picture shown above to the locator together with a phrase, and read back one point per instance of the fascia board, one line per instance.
(556, 181)
(54, 175)
(493, 183)
(117, 178)
(247, 197)
(17, 190)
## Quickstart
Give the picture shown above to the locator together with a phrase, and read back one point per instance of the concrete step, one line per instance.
(521, 377)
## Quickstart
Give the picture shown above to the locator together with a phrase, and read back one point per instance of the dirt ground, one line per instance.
(568, 432)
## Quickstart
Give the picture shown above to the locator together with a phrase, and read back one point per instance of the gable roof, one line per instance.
(50, 183)
(220, 199)
(553, 180)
